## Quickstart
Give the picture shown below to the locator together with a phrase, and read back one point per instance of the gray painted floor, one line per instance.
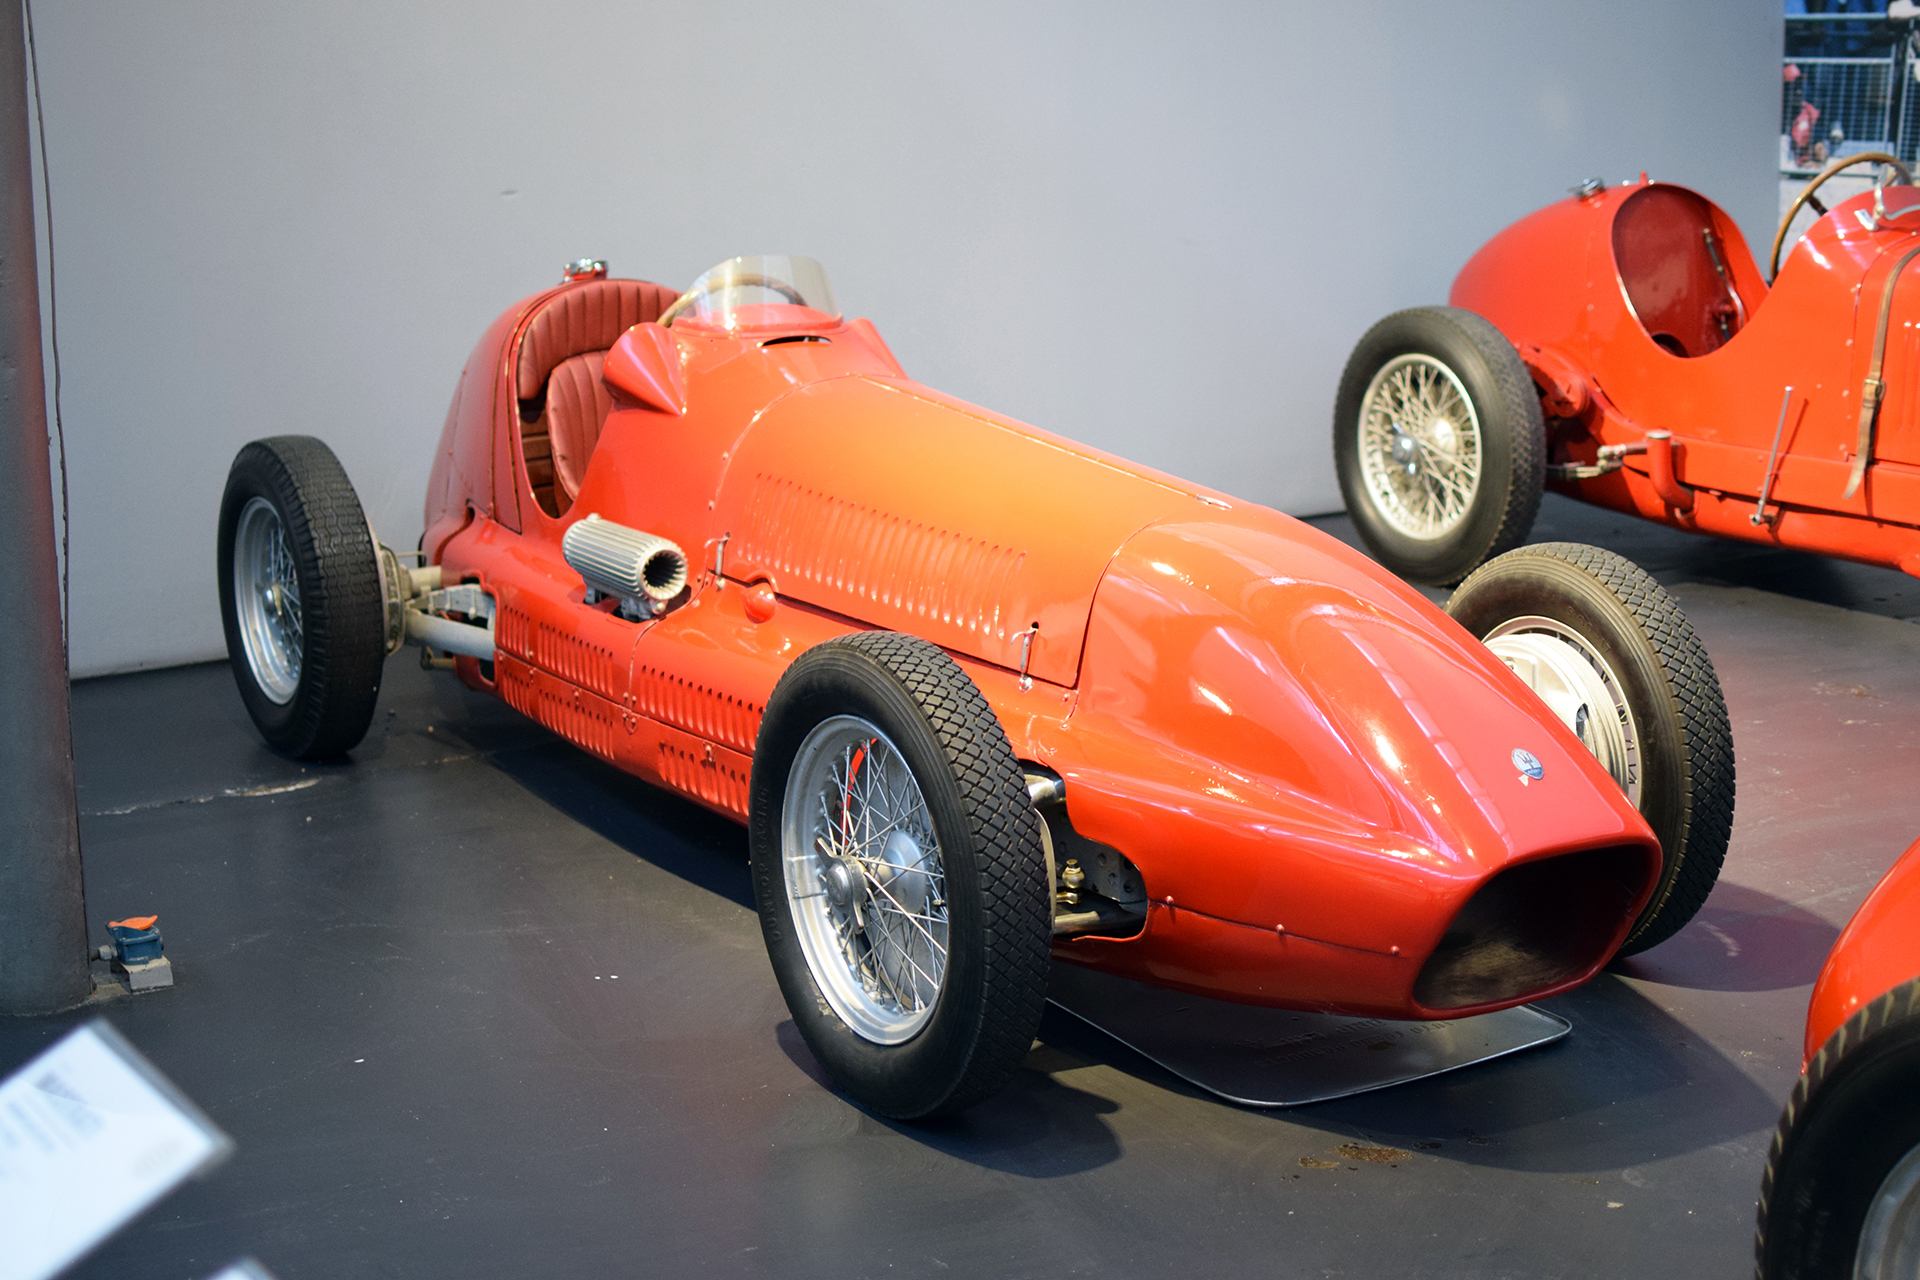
(398, 992)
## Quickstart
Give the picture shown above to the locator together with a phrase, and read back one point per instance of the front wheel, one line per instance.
(300, 597)
(1439, 443)
(900, 875)
(1840, 1199)
(1614, 657)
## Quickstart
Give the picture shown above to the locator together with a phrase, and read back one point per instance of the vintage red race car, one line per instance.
(1622, 347)
(984, 696)
(1841, 1193)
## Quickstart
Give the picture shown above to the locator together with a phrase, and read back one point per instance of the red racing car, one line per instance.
(985, 697)
(1841, 1194)
(1621, 347)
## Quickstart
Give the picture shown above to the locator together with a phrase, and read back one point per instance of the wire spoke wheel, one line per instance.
(900, 875)
(1420, 451)
(866, 880)
(1439, 443)
(301, 598)
(266, 596)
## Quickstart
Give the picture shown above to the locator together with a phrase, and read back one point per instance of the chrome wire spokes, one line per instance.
(1420, 449)
(266, 597)
(866, 882)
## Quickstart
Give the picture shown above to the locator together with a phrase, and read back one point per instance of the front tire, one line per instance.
(1613, 655)
(1439, 443)
(1841, 1194)
(900, 875)
(300, 597)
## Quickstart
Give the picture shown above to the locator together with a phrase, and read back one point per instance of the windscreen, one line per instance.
(756, 291)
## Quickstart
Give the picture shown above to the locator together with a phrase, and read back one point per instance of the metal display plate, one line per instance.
(1282, 1058)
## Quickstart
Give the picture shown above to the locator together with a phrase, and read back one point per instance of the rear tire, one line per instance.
(1592, 632)
(300, 597)
(900, 875)
(1439, 443)
(1847, 1147)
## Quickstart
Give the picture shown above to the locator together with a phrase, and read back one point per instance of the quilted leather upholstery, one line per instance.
(588, 318)
(577, 404)
(557, 379)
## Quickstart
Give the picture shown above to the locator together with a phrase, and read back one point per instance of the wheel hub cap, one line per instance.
(1890, 1237)
(1579, 688)
(841, 881)
(901, 879)
(1405, 450)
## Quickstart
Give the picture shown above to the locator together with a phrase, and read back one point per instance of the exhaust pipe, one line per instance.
(639, 569)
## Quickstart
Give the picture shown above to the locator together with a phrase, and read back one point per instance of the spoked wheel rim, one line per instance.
(1579, 687)
(865, 879)
(1421, 450)
(266, 596)
(1890, 1237)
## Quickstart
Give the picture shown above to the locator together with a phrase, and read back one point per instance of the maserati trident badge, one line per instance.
(1530, 768)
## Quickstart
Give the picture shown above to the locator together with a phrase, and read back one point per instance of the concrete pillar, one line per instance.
(43, 925)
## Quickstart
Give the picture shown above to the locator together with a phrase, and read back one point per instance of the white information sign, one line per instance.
(90, 1135)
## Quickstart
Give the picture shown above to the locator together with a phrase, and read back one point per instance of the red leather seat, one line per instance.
(563, 403)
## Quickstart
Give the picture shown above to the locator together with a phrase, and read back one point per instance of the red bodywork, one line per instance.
(1639, 308)
(1309, 764)
(1877, 951)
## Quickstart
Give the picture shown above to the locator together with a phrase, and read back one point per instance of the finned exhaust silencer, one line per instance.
(642, 570)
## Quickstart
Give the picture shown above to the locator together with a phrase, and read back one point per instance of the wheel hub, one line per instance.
(841, 881)
(1405, 450)
(903, 879)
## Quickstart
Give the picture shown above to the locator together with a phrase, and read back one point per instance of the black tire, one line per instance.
(1853, 1116)
(999, 918)
(1685, 742)
(1512, 436)
(321, 705)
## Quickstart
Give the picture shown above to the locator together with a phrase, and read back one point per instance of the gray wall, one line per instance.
(1158, 229)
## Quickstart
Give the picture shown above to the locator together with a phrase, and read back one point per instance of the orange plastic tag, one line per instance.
(134, 922)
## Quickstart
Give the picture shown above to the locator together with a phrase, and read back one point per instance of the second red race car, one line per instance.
(1621, 347)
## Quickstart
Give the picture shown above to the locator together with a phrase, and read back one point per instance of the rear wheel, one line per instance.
(1614, 657)
(900, 875)
(1439, 443)
(300, 597)
(1840, 1198)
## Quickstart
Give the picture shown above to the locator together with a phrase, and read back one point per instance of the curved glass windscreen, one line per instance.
(758, 291)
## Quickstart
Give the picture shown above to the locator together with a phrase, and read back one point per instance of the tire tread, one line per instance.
(341, 603)
(1889, 1009)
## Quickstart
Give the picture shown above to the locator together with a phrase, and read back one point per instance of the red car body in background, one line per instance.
(1673, 382)
(1841, 1195)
